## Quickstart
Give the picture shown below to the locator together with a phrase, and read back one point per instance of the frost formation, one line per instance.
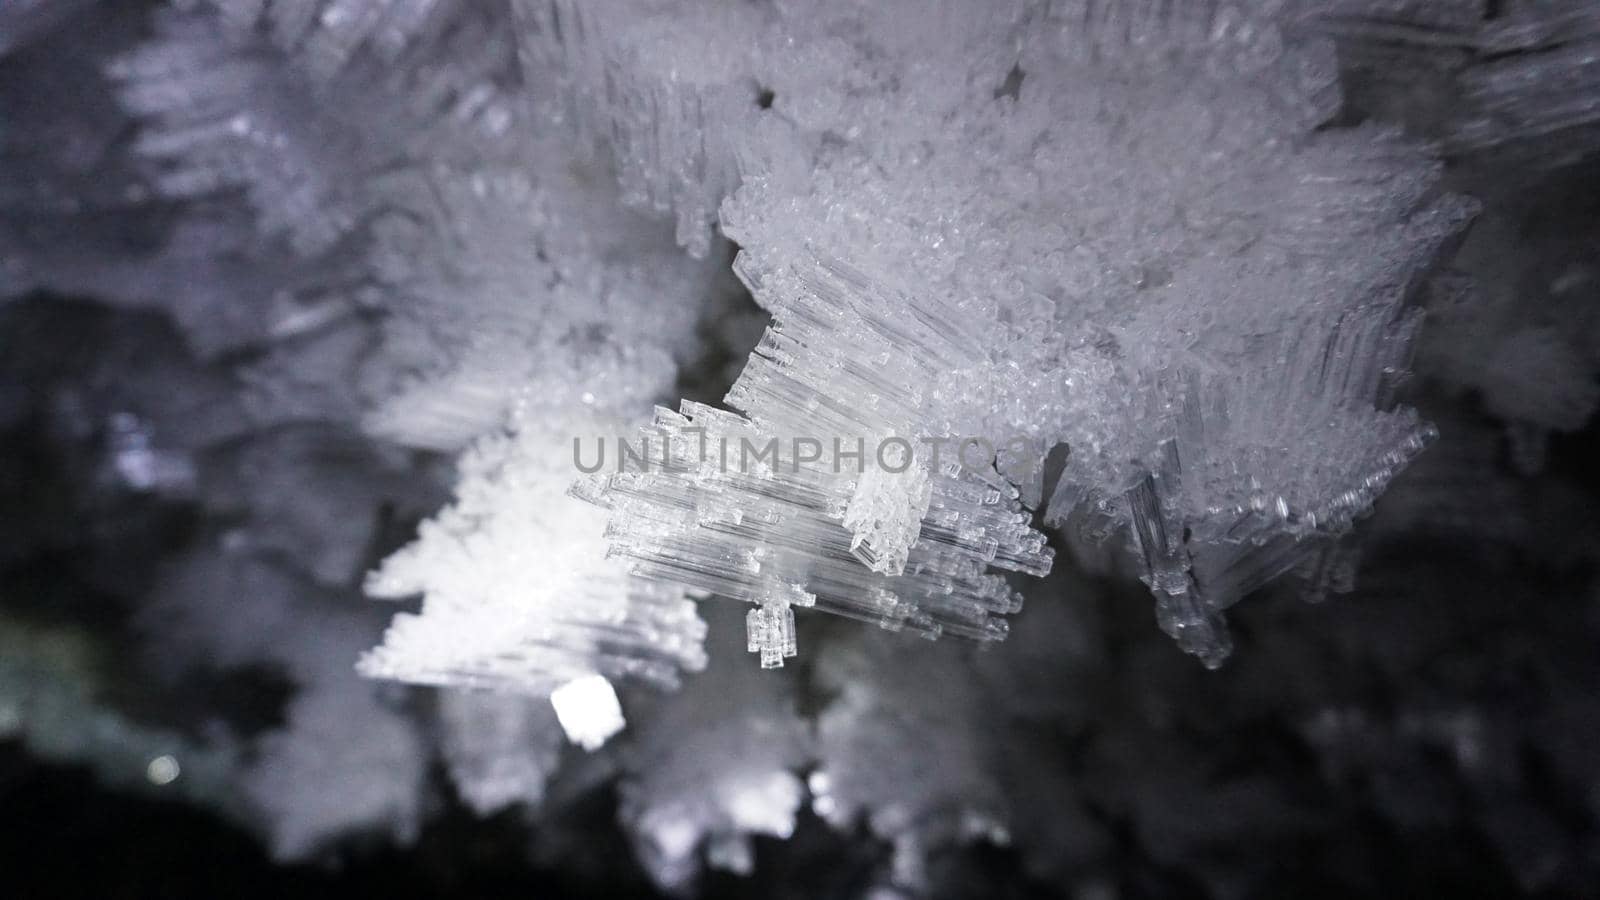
(1118, 280)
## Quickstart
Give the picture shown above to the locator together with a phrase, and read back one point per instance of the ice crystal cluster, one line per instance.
(1019, 226)
(495, 616)
(1038, 286)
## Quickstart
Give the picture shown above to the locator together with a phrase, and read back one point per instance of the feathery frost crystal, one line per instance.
(879, 309)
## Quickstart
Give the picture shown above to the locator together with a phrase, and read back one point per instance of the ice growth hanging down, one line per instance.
(513, 280)
(518, 594)
(234, 97)
(658, 87)
(706, 768)
(1118, 227)
(489, 281)
(1243, 448)
(1244, 324)
(1508, 86)
(1124, 231)
(389, 174)
(727, 506)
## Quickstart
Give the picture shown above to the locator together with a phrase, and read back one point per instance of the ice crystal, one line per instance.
(504, 291)
(686, 803)
(728, 508)
(1504, 85)
(920, 795)
(325, 775)
(473, 265)
(1548, 126)
(658, 87)
(953, 247)
(941, 219)
(499, 748)
(493, 617)
(1147, 273)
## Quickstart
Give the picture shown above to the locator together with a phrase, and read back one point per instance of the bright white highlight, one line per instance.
(163, 770)
(588, 711)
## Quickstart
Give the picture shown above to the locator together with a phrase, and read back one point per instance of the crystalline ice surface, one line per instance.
(534, 285)
(228, 105)
(983, 231)
(406, 180)
(723, 506)
(1115, 227)
(501, 265)
(660, 87)
(518, 593)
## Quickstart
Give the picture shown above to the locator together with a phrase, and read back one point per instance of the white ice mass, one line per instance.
(1111, 279)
